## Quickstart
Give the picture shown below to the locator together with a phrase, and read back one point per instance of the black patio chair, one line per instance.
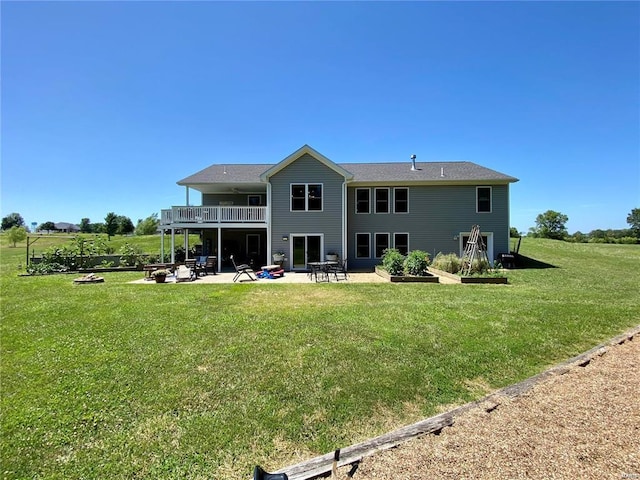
(339, 269)
(242, 269)
(260, 474)
(210, 265)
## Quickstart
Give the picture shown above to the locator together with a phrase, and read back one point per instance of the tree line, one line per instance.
(113, 224)
(552, 224)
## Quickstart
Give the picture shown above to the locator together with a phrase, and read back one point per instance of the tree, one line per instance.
(12, 220)
(48, 226)
(633, 219)
(16, 234)
(125, 225)
(148, 226)
(513, 232)
(85, 225)
(551, 224)
(111, 224)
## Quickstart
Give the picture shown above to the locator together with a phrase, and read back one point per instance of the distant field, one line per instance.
(117, 380)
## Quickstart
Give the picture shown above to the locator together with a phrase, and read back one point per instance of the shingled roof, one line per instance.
(234, 175)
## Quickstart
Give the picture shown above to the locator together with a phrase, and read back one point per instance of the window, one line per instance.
(255, 200)
(306, 197)
(363, 200)
(401, 242)
(483, 199)
(363, 245)
(382, 200)
(401, 200)
(382, 243)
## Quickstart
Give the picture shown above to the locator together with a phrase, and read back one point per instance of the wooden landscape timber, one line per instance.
(352, 455)
(461, 279)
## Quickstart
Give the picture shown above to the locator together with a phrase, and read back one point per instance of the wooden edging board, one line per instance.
(321, 465)
(459, 279)
(407, 278)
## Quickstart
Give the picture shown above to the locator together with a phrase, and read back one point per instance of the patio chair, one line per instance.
(260, 474)
(242, 269)
(190, 263)
(184, 274)
(210, 265)
(339, 269)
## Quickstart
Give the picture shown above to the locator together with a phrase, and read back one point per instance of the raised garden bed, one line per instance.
(407, 278)
(459, 279)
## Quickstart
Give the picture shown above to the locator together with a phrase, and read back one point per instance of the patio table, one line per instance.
(321, 268)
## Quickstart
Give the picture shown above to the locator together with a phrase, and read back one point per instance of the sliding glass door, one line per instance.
(305, 249)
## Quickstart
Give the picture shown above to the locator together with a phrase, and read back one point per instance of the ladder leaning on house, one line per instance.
(475, 250)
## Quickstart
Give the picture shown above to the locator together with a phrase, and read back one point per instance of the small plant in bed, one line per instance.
(416, 263)
(393, 261)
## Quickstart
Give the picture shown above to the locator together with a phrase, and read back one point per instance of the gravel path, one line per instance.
(584, 424)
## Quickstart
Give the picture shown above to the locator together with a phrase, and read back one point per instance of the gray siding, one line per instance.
(436, 215)
(284, 222)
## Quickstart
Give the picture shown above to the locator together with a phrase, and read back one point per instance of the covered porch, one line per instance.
(247, 243)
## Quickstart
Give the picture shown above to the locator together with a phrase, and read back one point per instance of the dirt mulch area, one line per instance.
(583, 424)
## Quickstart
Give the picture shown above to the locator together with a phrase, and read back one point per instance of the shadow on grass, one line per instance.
(528, 262)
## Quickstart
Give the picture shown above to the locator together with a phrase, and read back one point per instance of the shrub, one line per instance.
(393, 261)
(416, 263)
(131, 255)
(45, 268)
(479, 267)
(449, 262)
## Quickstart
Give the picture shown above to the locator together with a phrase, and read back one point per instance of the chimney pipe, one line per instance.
(413, 163)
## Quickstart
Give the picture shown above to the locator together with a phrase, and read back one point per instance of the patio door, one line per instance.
(305, 248)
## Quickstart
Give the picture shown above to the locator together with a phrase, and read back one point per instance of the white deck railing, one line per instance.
(210, 215)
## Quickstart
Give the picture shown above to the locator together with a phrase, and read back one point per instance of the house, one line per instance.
(306, 206)
(66, 227)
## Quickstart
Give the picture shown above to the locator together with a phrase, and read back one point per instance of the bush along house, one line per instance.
(307, 206)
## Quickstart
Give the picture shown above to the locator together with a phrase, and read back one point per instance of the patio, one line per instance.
(289, 277)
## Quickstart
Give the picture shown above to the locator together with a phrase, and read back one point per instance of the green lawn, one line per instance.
(117, 380)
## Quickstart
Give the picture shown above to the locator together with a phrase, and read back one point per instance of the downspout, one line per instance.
(344, 220)
(268, 220)
(187, 191)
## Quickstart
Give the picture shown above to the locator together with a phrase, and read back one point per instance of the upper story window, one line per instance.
(401, 200)
(306, 197)
(382, 200)
(363, 200)
(483, 199)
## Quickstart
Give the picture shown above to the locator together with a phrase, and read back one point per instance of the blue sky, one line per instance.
(106, 105)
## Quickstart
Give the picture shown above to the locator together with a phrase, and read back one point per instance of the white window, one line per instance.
(483, 199)
(306, 197)
(400, 200)
(363, 245)
(381, 244)
(401, 242)
(382, 200)
(363, 200)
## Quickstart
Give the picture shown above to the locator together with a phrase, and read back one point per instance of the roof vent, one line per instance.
(413, 163)
(442, 171)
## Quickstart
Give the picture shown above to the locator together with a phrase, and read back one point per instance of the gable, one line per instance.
(303, 152)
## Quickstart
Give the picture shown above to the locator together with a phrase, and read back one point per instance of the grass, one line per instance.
(117, 380)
